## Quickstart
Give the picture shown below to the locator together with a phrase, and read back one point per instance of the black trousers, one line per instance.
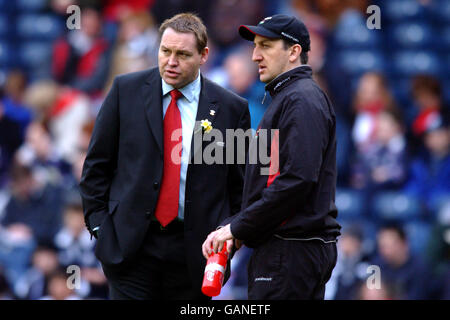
(290, 269)
(159, 270)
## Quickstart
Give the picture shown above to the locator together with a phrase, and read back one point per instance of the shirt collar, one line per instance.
(189, 91)
(275, 86)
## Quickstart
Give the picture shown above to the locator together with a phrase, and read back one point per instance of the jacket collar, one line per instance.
(282, 80)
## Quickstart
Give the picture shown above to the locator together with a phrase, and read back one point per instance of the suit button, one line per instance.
(155, 185)
(148, 214)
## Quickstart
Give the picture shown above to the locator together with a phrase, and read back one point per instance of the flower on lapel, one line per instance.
(206, 125)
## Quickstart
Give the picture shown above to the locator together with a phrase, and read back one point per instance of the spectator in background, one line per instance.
(73, 240)
(406, 273)
(226, 16)
(10, 141)
(351, 267)
(438, 252)
(80, 59)
(60, 6)
(115, 10)
(58, 289)
(33, 284)
(430, 171)
(372, 97)
(385, 292)
(72, 184)
(16, 247)
(333, 10)
(137, 45)
(5, 290)
(382, 164)
(33, 207)
(427, 96)
(39, 153)
(242, 79)
(13, 107)
(64, 110)
(76, 248)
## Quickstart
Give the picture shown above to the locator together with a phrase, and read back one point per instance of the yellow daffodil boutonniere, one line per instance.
(206, 125)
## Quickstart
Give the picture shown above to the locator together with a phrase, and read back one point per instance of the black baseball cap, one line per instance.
(279, 26)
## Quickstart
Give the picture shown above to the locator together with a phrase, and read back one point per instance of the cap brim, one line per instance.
(249, 32)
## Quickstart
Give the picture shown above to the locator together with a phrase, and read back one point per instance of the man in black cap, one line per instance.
(289, 215)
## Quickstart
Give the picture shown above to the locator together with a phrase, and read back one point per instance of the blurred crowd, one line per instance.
(390, 89)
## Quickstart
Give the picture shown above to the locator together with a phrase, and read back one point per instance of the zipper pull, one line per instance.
(265, 92)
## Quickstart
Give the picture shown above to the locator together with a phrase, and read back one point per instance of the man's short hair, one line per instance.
(426, 83)
(187, 22)
(397, 228)
(303, 54)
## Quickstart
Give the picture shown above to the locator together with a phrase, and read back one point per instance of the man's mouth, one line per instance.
(172, 73)
(261, 69)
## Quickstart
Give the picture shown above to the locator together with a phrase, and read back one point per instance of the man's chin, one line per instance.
(264, 78)
(174, 82)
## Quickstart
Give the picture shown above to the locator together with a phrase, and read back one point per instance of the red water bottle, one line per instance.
(214, 272)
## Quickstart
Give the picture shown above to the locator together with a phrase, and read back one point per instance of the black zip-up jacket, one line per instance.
(296, 200)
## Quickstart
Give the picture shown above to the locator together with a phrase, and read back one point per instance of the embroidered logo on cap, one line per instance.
(264, 20)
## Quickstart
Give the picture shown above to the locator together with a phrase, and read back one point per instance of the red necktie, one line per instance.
(167, 206)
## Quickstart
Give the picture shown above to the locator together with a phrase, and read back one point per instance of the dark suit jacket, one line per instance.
(124, 165)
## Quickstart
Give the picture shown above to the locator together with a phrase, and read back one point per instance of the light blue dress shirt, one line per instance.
(188, 105)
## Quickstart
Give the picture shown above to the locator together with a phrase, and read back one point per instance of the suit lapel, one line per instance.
(207, 110)
(152, 97)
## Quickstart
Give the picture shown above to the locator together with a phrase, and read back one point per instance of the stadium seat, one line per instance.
(357, 62)
(30, 5)
(352, 32)
(412, 36)
(39, 27)
(445, 38)
(35, 53)
(437, 203)
(4, 26)
(396, 206)
(402, 10)
(441, 11)
(401, 88)
(446, 84)
(5, 54)
(418, 233)
(410, 62)
(6, 6)
(350, 204)
(36, 58)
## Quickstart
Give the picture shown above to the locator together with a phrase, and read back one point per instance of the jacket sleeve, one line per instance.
(101, 161)
(303, 137)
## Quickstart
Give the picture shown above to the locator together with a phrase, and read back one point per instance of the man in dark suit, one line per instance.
(146, 200)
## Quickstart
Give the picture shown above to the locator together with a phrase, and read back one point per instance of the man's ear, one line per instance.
(204, 53)
(294, 55)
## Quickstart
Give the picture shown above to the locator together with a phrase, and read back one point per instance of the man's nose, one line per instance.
(256, 56)
(172, 60)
